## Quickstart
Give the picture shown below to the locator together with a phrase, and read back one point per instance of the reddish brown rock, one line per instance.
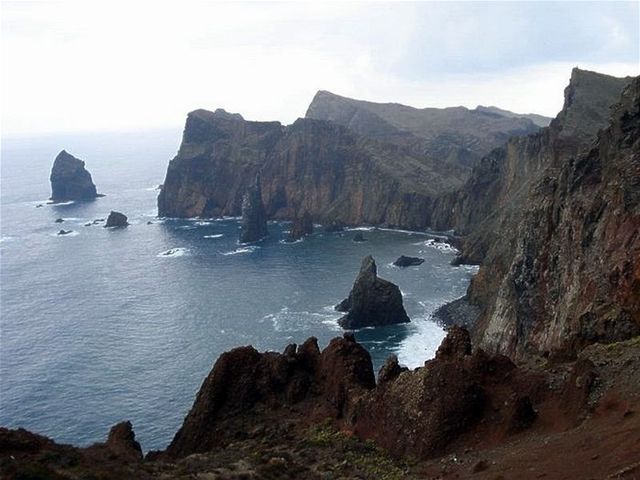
(122, 442)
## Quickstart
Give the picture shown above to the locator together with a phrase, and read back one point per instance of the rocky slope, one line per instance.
(454, 135)
(316, 414)
(70, 180)
(554, 218)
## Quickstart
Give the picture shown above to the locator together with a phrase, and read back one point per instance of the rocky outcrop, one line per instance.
(122, 442)
(244, 383)
(301, 227)
(254, 218)
(372, 301)
(534, 212)
(457, 135)
(116, 220)
(404, 261)
(359, 237)
(70, 180)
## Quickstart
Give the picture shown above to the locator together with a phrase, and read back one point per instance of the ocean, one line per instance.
(103, 325)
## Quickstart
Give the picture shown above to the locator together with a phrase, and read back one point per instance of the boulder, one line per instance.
(64, 232)
(372, 300)
(254, 217)
(116, 219)
(404, 261)
(70, 180)
(59, 220)
(301, 227)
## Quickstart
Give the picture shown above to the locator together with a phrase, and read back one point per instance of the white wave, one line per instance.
(186, 227)
(438, 245)
(287, 242)
(224, 218)
(51, 202)
(422, 344)
(249, 249)
(359, 229)
(399, 230)
(6, 238)
(217, 235)
(174, 252)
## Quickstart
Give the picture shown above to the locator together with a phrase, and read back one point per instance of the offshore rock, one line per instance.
(254, 218)
(302, 226)
(116, 219)
(70, 180)
(404, 261)
(359, 237)
(372, 301)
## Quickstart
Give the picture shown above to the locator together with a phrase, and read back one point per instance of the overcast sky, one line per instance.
(108, 65)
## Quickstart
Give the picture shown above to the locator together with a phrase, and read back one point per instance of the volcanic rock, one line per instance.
(64, 232)
(254, 217)
(116, 219)
(403, 261)
(59, 220)
(301, 227)
(372, 301)
(122, 442)
(70, 180)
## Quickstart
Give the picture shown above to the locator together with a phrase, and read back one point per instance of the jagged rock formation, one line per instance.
(404, 261)
(70, 180)
(372, 300)
(254, 218)
(324, 384)
(456, 135)
(116, 219)
(550, 216)
(301, 227)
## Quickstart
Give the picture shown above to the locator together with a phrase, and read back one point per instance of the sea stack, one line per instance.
(302, 226)
(254, 217)
(372, 301)
(70, 180)
(116, 219)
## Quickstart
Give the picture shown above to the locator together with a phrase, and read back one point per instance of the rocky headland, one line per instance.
(70, 180)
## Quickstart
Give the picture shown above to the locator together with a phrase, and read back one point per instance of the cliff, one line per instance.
(314, 166)
(70, 180)
(535, 213)
(455, 135)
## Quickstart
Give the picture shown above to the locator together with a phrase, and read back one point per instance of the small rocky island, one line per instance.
(301, 227)
(70, 180)
(404, 261)
(372, 301)
(116, 219)
(254, 216)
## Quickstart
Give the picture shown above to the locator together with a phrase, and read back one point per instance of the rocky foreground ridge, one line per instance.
(317, 414)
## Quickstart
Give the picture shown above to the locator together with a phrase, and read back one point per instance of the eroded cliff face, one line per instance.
(311, 166)
(574, 277)
(537, 220)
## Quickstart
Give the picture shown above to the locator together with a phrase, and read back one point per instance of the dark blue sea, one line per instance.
(103, 325)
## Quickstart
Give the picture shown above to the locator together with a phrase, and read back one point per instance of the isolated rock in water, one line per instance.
(301, 227)
(403, 261)
(116, 219)
(64, 232)
(59, 220)
(122, 442)
(254, 217)
(70, 180)
(372, 301)
(358, 237)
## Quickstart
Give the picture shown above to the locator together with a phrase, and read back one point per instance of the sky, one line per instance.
(111, 65)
